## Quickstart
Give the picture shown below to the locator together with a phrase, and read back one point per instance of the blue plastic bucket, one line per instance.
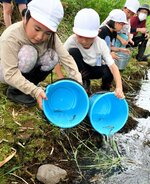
(67, 103)
(107, 113)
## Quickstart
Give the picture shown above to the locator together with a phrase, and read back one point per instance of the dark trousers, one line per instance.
(91, 72)
(36, 75)
(140, 42)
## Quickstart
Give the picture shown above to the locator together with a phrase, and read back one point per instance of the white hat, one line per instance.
(118, 15)
(47, 12)
(132, 5)
(86, 23)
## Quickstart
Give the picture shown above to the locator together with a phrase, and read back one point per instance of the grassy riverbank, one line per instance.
(36, 141)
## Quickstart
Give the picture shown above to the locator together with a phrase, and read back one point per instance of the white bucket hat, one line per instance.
(118, 15)
(132, 5)
(86, 23)
(47, 12)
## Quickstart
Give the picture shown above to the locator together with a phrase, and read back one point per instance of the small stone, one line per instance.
(50, 174)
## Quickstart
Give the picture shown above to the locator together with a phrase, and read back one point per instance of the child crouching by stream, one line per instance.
(89, 51)
(29, 51)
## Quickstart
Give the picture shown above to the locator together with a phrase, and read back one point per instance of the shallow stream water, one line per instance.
(134, 146)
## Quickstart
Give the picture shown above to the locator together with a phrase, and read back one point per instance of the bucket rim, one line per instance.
(93, 104)
(79, 89)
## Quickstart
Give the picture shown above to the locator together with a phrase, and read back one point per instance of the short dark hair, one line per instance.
(111, 24)
(26, 14)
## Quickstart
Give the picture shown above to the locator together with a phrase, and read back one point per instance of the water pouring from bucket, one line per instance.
(67, 103)
(107, 113)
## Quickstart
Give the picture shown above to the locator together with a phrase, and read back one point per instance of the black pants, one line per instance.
(36, 75)
(140, 42)
(91, 72)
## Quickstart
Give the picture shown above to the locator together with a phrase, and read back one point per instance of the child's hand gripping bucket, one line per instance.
(67, 103)
(107, 113)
